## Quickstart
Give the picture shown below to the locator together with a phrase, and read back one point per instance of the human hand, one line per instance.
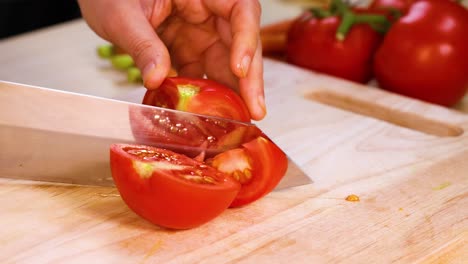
(212, 37)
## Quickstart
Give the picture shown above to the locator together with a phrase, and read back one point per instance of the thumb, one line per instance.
(132, 31)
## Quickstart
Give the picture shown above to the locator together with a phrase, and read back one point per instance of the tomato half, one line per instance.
(258, 165)
(186, 133)
(169, 189)
(200, 96)
(159, 128)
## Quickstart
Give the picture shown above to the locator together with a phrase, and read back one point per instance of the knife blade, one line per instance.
(56, 136)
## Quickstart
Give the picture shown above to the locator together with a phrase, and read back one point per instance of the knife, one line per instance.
(56, 136)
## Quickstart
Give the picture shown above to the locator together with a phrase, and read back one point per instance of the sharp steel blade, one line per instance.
(56, 136)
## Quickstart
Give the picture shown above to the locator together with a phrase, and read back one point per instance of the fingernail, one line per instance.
(244, 66)
(261, 103)
(148, 70)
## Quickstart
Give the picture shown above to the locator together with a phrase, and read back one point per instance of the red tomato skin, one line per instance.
(166, 200)
(401, 5)
(312, 44)
(424, 55)
(268, 166)
(213, 98)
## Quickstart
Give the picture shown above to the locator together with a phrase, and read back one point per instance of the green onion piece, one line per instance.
(105, 51)
(122, 62)
(134, 75)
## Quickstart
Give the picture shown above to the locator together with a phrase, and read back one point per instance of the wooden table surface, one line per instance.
(405, 159)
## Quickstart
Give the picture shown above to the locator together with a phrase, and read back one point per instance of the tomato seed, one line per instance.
(200, 179)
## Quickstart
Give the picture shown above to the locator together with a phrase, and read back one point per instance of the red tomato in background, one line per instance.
(401, 5)
(200, 96)
(312, 44)
(169, 189)
(259, 166)
(425, 53)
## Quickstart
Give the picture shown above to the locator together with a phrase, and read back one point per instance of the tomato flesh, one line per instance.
(259, 166)
(170, 189)
(235, 162)
(199, 96)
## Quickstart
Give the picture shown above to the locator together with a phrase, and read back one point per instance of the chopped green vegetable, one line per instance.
(122, 62)
(105, 51)
(134, 75)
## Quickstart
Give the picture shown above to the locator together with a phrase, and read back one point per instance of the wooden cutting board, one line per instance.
(406, 160)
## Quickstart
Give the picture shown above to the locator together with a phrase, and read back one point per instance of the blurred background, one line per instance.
(19, 16)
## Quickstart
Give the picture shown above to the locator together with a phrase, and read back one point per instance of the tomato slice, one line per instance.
(167, 128)
(259, 166)
(200, 96)
(170, 189)
(187, 134)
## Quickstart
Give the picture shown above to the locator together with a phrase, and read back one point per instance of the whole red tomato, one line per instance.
(424, 55)
(258, 165)
(200, 96)
(312, 43)
(169, 189)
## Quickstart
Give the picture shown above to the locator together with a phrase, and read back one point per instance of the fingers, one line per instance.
(126, 24)
(192, 70)
(245, 23)
(246, 60)
(251, 87)
(216, 65)
(134, 33)
(244, 16)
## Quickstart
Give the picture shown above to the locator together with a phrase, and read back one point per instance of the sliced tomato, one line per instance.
(187, 133)
(151, 127)
(258, 166)
(170, 189)
(200, 96)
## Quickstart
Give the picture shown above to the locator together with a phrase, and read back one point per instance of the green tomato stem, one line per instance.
(186, 92)
(379, 23)
(347, 22)
(338, 7)
(320, 13)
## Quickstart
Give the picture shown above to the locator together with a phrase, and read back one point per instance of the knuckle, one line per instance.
(139, 48)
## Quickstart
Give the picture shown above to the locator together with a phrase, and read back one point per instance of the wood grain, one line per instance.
(405, 159)
(412, 186)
